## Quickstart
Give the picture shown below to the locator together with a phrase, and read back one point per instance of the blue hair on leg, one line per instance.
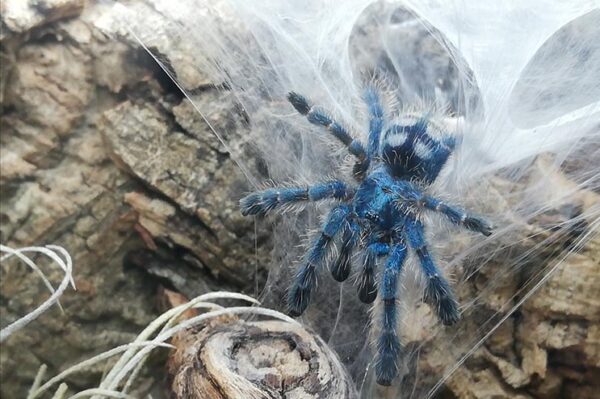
(437, 292)
(388, 344)
(306, 278)
(408, 193)
(458, 216)
(262, 202)
(334, 189)
(367, 287)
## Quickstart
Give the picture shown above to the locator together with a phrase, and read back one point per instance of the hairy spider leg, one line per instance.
(306, 278)
(262, 202)
(373, 101)
(367, 287)
(457, 216)
(340, 269)
(437, 292)
(406, 192)
(388, 344)
(412, 154)
(319, 117)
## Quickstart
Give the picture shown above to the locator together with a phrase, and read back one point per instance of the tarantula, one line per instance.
(379, 214)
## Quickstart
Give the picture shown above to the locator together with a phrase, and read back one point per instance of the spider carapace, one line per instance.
(376, 218)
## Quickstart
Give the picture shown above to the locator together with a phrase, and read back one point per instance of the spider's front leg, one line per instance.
(388, 344)
(319, 117)
(306, 278)
(262, 202)
(438, 292)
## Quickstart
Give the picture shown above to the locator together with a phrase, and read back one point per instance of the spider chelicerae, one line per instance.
(378, 215)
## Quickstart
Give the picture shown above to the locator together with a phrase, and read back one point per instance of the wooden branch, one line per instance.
(232, 359)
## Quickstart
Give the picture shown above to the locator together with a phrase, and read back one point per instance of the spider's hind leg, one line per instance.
(306, 278)
(438, 292)
(388, 344)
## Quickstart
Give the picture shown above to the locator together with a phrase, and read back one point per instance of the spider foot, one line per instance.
(477, 224)
(259, 203)
(439, 296)
(299, 294)
(298, 300)
(367, 289)
(340, 270)
(299, 102)
(389, 349)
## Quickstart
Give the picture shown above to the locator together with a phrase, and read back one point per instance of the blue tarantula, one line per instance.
(380, 214)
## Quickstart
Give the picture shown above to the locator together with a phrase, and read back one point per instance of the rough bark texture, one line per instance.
(81, 115)
(101, 155)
